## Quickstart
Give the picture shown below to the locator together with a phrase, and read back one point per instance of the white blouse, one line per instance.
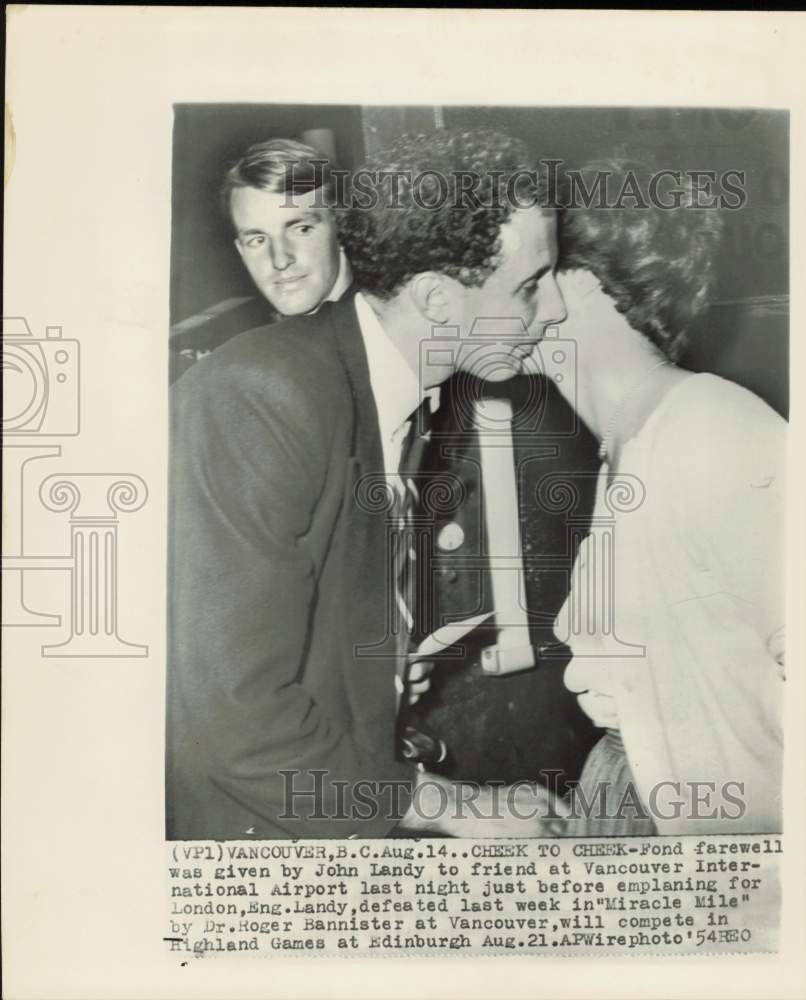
(675, 613)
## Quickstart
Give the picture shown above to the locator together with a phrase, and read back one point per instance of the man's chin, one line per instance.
(286, 308)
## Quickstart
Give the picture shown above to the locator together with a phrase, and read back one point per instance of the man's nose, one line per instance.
(281, 254)
(551, 305)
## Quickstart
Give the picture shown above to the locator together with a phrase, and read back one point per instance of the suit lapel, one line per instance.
(371, 648)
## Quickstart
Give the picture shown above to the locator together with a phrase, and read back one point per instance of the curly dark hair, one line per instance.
(453, 190)
(657, 264)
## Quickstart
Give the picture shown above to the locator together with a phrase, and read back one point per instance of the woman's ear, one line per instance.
(431, 297)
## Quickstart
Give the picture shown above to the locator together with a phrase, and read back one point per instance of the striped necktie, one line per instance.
(409, 597)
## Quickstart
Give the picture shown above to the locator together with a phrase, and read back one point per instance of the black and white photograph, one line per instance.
(478, 459)
(403, 490)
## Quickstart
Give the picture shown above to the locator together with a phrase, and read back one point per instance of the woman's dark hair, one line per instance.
(657, 263)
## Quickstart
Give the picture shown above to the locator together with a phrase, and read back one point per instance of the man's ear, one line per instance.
(430, 293)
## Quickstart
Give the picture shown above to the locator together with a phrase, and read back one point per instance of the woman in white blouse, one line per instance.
(675, 615)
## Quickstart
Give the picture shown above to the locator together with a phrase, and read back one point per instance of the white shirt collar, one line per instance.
(395, 386)
(343, 279)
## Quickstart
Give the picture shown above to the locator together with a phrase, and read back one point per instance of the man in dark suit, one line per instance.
(282, 661)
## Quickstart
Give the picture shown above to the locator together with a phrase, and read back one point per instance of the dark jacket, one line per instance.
(277, 577)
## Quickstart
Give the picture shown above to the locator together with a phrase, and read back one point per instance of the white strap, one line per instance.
(513, 651)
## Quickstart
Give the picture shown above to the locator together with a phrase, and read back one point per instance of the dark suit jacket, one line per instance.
(277, 575)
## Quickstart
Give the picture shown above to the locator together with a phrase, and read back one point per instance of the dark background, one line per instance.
(744, 336)
(498, 728)
(205, 267)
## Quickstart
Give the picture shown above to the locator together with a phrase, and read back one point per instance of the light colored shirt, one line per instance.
(676, 622)
(343, 279)
(397, 395)
(395, 386)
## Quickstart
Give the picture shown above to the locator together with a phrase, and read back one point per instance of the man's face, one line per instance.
(290, 250)
(521, 294)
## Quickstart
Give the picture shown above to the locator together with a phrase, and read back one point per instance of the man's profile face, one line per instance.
(521, 292)
(288, 245)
